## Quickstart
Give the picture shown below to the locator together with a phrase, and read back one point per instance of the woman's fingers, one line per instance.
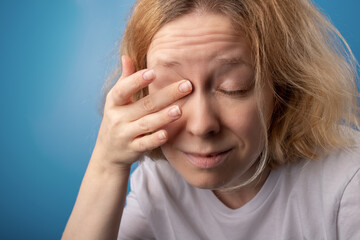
(128, 66)
(147, 129)
(153, 122)
(129, 83)
(159, 100)
(130, 128)
(149, 142)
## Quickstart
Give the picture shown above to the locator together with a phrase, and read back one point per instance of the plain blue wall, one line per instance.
(54, 56)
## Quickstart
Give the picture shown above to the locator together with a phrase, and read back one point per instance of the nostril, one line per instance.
(202, 125)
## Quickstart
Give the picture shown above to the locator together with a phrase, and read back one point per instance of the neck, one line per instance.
(235, 199)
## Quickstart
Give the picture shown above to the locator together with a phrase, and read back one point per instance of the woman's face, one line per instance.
(219, 136)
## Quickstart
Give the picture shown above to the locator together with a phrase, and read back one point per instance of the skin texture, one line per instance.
(214, 113)
(221, 114)
(127, 130)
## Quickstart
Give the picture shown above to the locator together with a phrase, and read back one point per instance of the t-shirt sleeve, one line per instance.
(134, 224)
(349, 212)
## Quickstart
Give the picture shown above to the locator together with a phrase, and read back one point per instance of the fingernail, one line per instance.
(162, 135)
(175, 111)
(185, 87)
(149, 75)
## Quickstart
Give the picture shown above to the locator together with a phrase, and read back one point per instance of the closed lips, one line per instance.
(209, 160)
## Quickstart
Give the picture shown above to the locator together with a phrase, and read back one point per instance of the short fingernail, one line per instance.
(185, 87)
(149, 75)
(174, 111)
(162, 135)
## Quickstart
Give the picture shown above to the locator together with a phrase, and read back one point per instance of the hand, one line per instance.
(128, 128)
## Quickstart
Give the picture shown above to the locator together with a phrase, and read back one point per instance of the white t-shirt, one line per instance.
(308, 200)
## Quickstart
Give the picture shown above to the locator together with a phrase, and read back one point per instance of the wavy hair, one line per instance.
(309, 64)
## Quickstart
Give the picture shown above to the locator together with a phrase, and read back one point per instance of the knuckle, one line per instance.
(141, 146)
(121, 136)
(146, 143)
(108, 96)
(114, 118)
(144, 126)
(148, 105)
(119, 95)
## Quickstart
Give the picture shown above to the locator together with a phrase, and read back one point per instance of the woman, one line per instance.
(244, 110)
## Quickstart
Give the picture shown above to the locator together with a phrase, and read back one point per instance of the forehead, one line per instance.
(198, 37)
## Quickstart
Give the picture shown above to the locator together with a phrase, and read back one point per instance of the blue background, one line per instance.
(54, 57)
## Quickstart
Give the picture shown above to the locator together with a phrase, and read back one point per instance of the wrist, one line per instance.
(103, 165)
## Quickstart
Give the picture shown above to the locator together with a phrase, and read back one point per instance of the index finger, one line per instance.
(161, 99)
(129, 83)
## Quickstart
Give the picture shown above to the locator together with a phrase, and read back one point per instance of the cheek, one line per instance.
(246, 118)
(240, 120)
(245, 121)
(246, 129)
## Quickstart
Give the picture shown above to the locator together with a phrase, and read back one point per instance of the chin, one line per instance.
(208, 181)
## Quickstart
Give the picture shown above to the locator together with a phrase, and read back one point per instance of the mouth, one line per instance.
(207, 161)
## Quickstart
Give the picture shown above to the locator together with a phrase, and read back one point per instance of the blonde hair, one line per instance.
(310, 66)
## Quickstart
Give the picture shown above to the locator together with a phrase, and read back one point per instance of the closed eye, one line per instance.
(235, 93)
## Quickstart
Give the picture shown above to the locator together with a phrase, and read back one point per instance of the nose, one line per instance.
(201, 116)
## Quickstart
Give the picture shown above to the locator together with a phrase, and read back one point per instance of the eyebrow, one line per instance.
(232, 60)
(235, 60)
